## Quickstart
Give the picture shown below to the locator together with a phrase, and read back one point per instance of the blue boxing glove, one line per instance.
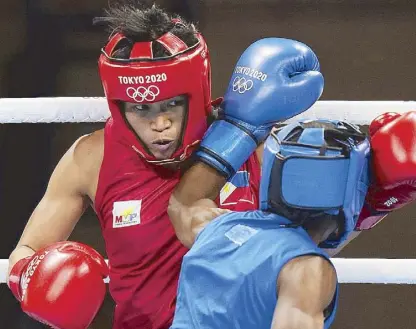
(274, 80)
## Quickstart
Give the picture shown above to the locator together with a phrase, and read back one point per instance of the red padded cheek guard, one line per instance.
(147, 80)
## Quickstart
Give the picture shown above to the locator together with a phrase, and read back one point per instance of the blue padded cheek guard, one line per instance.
(298, 176)
(313, 183)
(300, 184)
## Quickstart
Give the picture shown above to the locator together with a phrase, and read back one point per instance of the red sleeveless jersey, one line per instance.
(143, 251)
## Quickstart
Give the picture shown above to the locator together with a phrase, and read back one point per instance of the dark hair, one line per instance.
(140, 22)
(333, 135)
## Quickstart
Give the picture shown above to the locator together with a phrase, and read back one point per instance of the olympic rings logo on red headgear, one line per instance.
(141, 93)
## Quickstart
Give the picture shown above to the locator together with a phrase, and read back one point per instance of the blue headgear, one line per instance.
(309, 172)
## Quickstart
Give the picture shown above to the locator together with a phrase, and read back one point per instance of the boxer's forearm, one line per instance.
(197, 188)
(191, 205)
(199, 182)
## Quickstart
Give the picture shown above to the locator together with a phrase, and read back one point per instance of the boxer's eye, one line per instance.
(176, 102)
(141, 107)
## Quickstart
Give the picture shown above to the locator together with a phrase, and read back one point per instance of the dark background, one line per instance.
(50, 48)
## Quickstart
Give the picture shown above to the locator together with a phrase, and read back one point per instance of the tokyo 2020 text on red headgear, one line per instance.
(144, 79)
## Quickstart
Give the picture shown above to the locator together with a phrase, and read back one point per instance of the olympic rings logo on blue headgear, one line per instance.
(241, 84)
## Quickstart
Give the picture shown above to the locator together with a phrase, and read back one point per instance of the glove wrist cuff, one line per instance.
(226, 147)
(369, 217)
(14, 280)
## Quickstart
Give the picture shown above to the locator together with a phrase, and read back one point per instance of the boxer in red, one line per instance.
(155, 71)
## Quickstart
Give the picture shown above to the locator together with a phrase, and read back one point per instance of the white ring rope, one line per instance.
(350, 270)
(95, 109)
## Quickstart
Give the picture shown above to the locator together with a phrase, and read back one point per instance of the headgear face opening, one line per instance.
(313, 169)
(145, 79)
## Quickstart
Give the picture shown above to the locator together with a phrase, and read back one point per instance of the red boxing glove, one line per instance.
(393, 147)
(61, 285)
(381, 121)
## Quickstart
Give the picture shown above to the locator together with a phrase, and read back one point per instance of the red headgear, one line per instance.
(144, 79)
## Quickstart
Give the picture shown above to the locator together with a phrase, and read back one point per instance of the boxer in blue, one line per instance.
(265, 269)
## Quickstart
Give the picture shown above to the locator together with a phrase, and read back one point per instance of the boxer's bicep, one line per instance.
(199, 182)
(306, 286)
(61, 207)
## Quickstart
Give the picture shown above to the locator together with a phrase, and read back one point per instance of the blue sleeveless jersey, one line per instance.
(228, 279)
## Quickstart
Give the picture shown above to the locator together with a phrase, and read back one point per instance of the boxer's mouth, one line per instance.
(163, 144)
(162, 141)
